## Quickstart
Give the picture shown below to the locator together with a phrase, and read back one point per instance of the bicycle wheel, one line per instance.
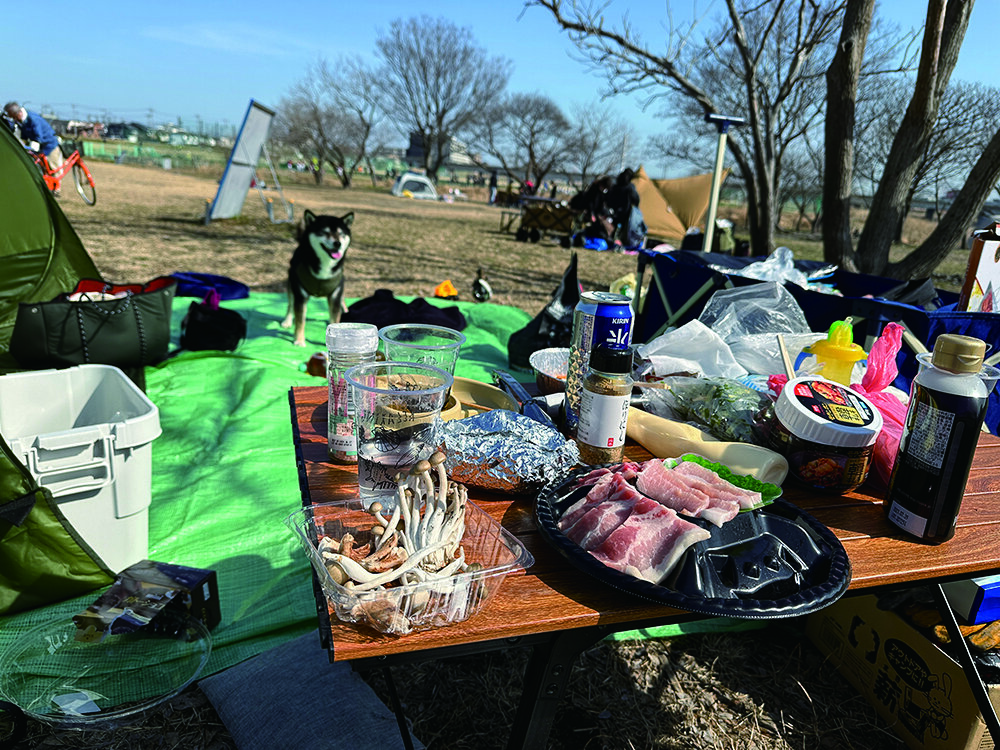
(84, 184)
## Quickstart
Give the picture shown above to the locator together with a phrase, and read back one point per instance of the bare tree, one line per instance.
(754, 65)
(333, 114)
(598, 142)
(944, 31)
(434, 81)
(526, 133)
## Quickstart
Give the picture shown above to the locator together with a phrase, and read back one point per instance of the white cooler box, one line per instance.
(86, 434)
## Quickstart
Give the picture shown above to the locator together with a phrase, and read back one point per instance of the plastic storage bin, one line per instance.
(86, 434)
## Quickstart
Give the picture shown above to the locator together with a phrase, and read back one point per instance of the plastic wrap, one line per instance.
(506, 452)
(724, 408)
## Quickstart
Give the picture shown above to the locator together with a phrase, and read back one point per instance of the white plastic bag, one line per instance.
(692, 349)
(759, 308)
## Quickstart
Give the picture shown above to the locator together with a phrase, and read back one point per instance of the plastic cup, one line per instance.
(425, 344)
(397, 417)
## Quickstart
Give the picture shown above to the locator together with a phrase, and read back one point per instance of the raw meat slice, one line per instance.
(657, 481)
(650, 542)
(609, 486)
(597, 524)
(746, 498)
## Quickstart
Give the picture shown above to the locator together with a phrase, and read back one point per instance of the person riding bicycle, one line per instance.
(35, 128)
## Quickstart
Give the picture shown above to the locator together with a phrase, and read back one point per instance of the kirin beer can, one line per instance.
(599, 318)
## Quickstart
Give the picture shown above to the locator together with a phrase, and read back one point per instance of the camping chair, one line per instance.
(683, 282)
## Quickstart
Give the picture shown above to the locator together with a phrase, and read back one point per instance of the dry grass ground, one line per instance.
(753, 690)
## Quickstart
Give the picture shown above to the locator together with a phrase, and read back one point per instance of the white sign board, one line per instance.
(242, 165)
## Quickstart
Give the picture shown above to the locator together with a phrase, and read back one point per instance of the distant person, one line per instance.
(34, 128)
(555, 190)
(493, 187)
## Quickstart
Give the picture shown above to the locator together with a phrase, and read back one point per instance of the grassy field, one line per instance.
(762, 689)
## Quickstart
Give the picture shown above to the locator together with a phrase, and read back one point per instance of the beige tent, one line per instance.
(671, 207)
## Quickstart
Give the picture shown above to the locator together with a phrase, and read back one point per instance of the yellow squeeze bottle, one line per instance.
(837, 353)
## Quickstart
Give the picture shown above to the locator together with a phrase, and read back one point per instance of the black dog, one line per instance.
(317, 268)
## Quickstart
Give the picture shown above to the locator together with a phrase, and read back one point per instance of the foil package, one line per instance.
(503, 451)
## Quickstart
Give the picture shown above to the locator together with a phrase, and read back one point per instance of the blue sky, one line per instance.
(206, 60)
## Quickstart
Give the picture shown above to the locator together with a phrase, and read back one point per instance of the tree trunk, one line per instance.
(841, 102)
(943, 35)
(951, 230)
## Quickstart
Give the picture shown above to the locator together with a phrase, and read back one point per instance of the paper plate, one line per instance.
(53, 677)
(470, 397)
(776, 561)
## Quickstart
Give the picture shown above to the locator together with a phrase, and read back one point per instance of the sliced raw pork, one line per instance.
(746, 498)
(610, 486)
(686, 494)
(650, 542)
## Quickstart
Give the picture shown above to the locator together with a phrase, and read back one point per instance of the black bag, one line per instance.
(125, 325)
(208, 326)
(552, 327)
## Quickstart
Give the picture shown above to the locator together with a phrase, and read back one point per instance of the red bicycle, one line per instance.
(72, 162)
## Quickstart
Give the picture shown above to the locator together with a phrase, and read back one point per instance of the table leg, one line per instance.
(968, 665)
(545, 680)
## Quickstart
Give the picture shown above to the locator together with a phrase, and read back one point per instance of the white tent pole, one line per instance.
(723, 124)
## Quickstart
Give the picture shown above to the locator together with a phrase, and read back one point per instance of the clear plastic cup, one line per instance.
(397, 418)
(425, 344)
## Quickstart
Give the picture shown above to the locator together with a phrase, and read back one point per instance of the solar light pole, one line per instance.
(722, 124)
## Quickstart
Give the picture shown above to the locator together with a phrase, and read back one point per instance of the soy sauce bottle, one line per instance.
(943, 423)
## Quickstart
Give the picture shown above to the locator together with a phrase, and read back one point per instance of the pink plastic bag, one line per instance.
(879, 376)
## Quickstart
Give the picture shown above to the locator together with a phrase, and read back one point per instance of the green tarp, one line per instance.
(224, 474)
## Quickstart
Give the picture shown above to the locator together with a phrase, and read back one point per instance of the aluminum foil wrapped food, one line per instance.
(502, 451)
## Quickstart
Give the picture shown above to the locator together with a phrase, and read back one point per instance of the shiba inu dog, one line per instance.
(317, 268)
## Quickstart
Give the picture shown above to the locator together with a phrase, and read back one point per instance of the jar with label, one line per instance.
(826, 431)
(604, 404)
(947, 406)
(347, 344)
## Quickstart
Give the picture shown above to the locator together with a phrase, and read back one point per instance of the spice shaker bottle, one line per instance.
(347, 344)
(604, 404)
(947, 406)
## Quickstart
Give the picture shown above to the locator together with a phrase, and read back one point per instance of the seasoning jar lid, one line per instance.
(957, 353)
(828, 413)
(612, 361)
(348, 338)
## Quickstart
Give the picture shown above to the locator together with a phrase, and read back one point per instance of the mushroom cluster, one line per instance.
(419, 541)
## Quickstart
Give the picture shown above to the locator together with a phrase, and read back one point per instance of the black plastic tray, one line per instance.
(776, 561)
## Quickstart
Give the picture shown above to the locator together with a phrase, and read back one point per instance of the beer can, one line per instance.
(599, 318)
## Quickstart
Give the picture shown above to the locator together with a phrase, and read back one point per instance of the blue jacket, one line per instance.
(35, 128)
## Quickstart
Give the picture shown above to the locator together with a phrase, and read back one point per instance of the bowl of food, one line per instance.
(380, 566)
(550, 367)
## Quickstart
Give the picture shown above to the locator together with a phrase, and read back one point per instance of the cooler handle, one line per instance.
(84, 471)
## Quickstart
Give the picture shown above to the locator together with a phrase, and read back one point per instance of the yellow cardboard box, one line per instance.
(920, 691)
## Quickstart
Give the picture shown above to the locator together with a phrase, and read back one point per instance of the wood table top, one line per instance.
(553, 595)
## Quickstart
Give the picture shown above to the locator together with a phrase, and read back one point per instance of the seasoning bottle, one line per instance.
(947, 406)
(604, 403)
(347, 344)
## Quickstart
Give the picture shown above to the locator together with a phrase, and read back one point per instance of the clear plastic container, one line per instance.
(402, 609)
(347, 344)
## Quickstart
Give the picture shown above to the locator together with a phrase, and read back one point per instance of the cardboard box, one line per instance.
(981, 289)
(920, 691)
(147, 589)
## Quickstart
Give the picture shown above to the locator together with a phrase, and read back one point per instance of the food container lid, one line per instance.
(957, 353)
(349, 338)
(825, 412)
(612, 361)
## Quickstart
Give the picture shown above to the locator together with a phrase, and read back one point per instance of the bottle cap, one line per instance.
(612, 361)
(838, 352)
(957, 353)
(350, 338)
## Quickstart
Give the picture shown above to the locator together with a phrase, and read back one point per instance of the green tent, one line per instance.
(40, 254)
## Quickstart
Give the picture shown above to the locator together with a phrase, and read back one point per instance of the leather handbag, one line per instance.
(208, 326)
(126, 325)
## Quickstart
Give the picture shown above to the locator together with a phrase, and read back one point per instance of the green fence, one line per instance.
(158, 154)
